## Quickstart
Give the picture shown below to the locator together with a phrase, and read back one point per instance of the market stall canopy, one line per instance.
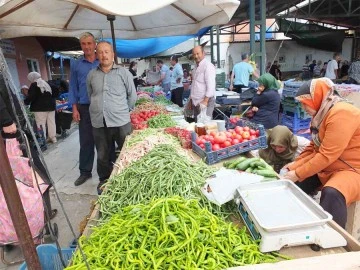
(133, 18)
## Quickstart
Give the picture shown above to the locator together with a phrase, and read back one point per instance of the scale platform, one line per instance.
(280, 214)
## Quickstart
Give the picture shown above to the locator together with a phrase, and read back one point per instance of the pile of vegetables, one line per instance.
(183, 135)
(167, 233)
(162, 172)
(161, 121)
(162, 100)
(142, 100)
(138, 119)
(140, 147)
(252, 165)
(150, 106)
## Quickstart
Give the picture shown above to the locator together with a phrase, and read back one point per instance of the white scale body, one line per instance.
(281, 215)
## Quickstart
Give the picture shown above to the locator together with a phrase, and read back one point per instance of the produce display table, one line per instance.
(302, 255)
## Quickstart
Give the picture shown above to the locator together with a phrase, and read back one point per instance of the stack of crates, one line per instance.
(294, 116)
(220, 80)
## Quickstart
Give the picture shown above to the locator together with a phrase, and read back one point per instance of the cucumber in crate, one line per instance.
(216, 146)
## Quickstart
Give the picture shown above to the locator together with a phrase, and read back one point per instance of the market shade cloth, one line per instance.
(150, 46)
(134, 18)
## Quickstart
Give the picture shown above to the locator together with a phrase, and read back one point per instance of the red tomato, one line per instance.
(219, 139)
(252, 137)
(228, 134)
(239, 137)
(198, 141)
(226, 144)
(215, 147)
(213, 133)
(257, 133)
(252, 132)
(238, 129)
(246, 135)
(211, 139)
(206, 137)
(245, 140)
(235, 141)
(202, 146)
(246, 128)
(231, 130)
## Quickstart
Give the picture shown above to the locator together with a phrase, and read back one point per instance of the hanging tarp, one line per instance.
(313, 35)
(150, 46)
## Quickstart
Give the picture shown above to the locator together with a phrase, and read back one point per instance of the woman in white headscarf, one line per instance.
(42, 103)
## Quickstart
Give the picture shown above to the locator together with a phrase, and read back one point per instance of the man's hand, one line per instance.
(76, 114)
(254, 109)
(178, 80)
(203, 104)
(10, 129)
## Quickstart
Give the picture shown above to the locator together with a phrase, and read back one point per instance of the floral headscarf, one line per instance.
(280, 135)
(319, 95)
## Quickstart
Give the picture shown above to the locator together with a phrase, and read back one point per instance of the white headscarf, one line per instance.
(43, 85)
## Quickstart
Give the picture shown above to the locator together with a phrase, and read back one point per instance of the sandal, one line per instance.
(53, 213)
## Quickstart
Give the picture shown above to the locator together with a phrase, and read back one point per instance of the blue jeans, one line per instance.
(87, 145)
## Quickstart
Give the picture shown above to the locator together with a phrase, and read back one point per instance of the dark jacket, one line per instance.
(268, 103)
(40, 102)
(136, 80)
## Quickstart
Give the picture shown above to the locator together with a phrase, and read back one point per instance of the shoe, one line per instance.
(81, 180)
(53, 213)
(100, 187)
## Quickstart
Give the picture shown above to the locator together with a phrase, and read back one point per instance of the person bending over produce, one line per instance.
(266, 102)
(332, 159)
(283, 147)
(112, 94)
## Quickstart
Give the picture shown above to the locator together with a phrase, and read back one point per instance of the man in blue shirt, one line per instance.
(242, 71)
(78, 96)
(165, 76)
(177, 88)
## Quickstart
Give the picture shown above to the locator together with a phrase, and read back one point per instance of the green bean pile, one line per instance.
(161, 121)
(143, 134)
(162, 100)
(160, 173)
(142, 100)
(168, 233)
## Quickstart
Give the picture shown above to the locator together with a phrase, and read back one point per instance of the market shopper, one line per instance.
(133, 71)
(112, 94)
(177, 76)
(283, 147)
(41, 99)
(165, 76)
(354, 72)
(332, 67)
(241, 74)
(332, 159)
(266, 102)
(79, 99)
(202, 93)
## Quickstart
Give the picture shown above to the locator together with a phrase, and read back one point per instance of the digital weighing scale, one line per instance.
(280, 214)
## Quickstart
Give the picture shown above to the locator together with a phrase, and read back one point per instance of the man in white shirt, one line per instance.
(332, 67)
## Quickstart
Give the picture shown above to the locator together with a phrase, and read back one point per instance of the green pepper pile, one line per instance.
(167, 233)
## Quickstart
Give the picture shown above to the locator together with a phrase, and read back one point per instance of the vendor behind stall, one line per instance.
(283, 147)
(332, 159)
(266, 102)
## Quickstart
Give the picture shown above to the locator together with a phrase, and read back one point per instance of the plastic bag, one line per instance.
(203, 117)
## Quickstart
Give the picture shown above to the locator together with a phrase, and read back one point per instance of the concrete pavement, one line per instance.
(62, 160)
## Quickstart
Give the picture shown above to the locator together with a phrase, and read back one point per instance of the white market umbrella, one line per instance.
(134, 19)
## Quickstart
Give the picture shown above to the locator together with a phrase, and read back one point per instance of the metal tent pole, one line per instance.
(218, 46)
(17, 213)
(111, 19)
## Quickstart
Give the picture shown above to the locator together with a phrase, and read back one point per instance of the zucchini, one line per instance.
(246, 163)
(249, 170)
(234, 163)
(267, 173)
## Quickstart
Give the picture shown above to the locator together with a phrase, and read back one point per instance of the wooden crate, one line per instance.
(353, 220)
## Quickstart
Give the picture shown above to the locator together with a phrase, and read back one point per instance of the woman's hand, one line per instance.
(291, 175)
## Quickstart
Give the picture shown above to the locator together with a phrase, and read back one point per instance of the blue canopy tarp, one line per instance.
(149, 46)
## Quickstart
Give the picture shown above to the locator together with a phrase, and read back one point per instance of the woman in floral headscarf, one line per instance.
(332, 159)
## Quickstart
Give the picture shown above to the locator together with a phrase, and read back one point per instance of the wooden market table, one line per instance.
(304, 256)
